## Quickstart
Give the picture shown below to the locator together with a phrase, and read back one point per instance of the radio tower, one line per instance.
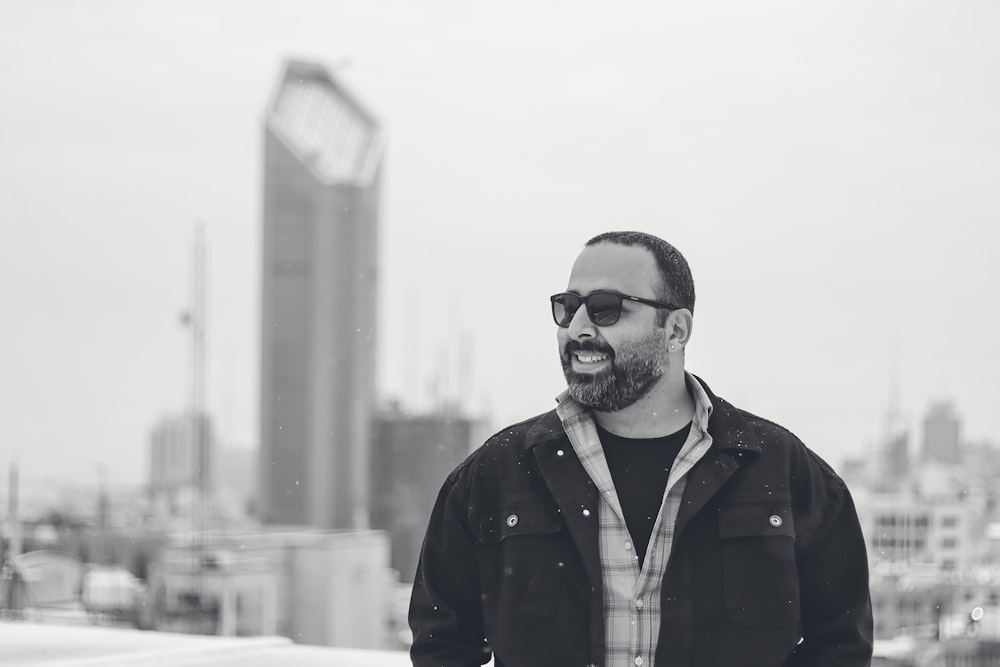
(195, 319)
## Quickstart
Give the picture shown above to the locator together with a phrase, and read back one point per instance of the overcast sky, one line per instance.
(830, 171)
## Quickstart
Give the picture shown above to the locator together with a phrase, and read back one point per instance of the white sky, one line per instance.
(830, 171)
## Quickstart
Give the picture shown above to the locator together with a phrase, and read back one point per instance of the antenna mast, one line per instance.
(197, 420)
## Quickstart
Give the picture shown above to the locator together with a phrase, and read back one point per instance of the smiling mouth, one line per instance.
(589, 358)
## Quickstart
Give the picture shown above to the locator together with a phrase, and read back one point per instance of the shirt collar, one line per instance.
(571, 411)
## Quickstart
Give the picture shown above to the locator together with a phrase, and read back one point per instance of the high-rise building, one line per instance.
(180, 457)
(412, 455)
(892, 462)
(942, 434)
(322, 159)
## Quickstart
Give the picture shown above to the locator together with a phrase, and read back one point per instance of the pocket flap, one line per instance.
(756, 520)
(520, 518)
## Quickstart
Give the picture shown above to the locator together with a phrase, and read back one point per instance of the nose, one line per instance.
(580, 326)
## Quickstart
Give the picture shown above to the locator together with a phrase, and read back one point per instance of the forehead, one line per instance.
(627, 269)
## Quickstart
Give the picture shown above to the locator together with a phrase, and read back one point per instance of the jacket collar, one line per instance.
(729, 429)
(546, 428)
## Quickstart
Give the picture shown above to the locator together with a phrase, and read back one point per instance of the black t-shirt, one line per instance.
(639, 468)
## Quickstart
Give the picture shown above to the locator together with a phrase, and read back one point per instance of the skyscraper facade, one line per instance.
(942, 434)
(322, 163)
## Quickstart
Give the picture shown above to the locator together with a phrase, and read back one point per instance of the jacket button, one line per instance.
(559, 452)
(775, 520)
(512, 520)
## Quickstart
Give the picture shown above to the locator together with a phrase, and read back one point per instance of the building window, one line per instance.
(949, 521)
(949, 543)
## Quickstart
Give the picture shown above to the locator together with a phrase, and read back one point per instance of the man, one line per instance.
(645, 521)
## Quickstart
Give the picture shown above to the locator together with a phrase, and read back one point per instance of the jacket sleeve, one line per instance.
(837, 626)
(445, 608)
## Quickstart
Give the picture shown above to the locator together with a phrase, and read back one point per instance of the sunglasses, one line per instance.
(604, 308)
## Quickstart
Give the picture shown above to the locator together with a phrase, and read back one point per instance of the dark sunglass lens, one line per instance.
(564, 307)
(605, 308)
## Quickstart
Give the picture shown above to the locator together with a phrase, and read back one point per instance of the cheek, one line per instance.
(626, 347)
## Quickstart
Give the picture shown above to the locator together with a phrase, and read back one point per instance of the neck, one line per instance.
(664, 409)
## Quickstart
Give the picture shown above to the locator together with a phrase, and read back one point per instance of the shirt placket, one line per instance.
(650, 583)
(641, 588)
(616, 543)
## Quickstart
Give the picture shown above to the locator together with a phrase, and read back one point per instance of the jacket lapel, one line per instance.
(703, 482)
(571, 488)
(730, 435)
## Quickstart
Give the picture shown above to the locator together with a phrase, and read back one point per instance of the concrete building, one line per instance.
(181, 450)
(926, 602)
(411, 456)
(322, 160)
(942, 434)
(910, 529)
(314, 587)
(893, 461)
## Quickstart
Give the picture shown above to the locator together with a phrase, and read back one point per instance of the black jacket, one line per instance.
(737, 589)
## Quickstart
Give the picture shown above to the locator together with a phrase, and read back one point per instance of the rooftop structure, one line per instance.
(328, 129)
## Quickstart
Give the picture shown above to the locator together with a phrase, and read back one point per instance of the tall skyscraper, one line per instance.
(322, 161)
(942, 434)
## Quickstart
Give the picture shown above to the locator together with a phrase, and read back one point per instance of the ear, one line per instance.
(679, 325)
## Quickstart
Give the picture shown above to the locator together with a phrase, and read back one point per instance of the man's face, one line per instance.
(609, 368)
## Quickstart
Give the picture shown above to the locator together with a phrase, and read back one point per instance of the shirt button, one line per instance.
(512, 520)
(639, 603)
(638, 660)
(775, 520)
(628, 546)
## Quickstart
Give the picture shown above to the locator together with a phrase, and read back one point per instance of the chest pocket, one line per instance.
(760, 579)
(522, 549)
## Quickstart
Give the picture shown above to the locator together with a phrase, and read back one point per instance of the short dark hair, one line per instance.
(677, 285)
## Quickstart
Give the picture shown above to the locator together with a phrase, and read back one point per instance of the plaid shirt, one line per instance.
(631, 595)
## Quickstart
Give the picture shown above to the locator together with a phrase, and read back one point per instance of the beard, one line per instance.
(632, 371)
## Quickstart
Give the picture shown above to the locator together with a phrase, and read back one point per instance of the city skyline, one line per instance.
(828, 172)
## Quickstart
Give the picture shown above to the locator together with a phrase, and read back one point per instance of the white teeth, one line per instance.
(590, 358)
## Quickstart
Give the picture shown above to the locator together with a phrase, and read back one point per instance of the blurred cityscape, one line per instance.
(313, 535)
